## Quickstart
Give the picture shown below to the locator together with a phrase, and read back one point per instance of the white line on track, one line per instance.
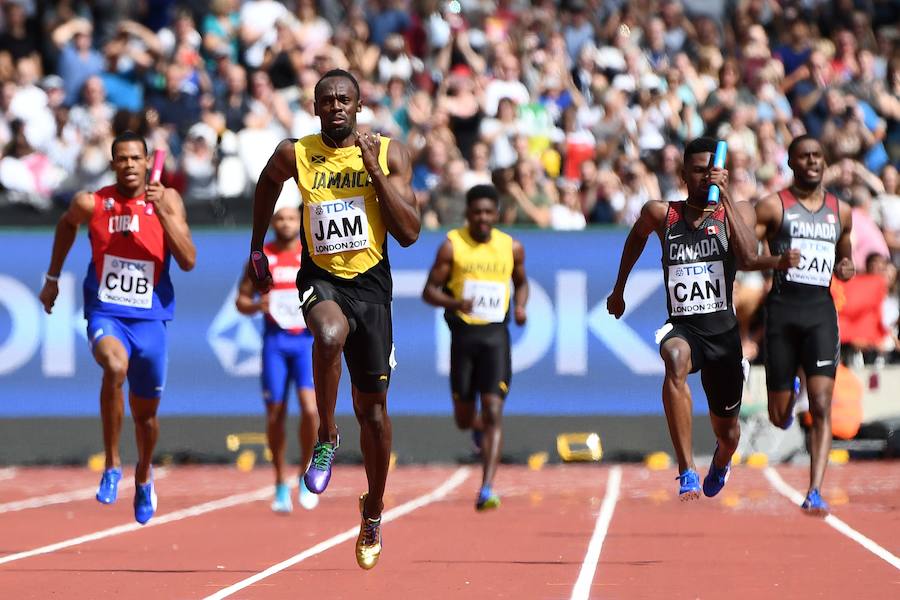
(582, 589)
(438, 493)
(797, 498)
(61, 497)
(178, 515)
(7, 473)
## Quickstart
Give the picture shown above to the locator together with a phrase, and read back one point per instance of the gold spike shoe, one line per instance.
(368, 544)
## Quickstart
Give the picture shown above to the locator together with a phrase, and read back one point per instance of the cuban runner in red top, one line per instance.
(135, 229)
(286, 354)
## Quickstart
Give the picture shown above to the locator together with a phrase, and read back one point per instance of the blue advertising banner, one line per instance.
(570, 358)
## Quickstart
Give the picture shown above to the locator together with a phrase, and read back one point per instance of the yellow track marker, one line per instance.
(758, 460)
(736, 458)
(245, 461)
(839, 457)
(658, 461)
(838, 497)
(97, 462)
(579, 447)
(731, 500)
(392, 463)
(537, 461)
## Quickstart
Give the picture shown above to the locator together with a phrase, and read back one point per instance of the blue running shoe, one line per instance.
(477, 441)
(689, 485)
(318, 474)
(282, 502)
(814, 505)
(794, 396)
(144, 502)
(716, 478)
(306, 498)
(109, 485)
(487, 499)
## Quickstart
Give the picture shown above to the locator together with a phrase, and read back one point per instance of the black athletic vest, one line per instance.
(815, 234)
(699, 269)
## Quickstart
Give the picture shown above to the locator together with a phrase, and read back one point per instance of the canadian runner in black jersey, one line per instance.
(809, 229)
(470, 280)
(356, 190)
(702, 248)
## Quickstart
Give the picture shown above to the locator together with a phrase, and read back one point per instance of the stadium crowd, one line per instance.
(576, 110)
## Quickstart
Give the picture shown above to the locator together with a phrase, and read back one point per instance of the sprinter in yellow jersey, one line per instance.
(470, 279)
(356, 189)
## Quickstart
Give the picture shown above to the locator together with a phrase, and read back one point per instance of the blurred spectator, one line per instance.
(234, 104)
(93, 112)
(257, 31)
(17, 40)
(177, 109)
(566, 214)
(220, 32)
(531, 196)
(888, 209)
(198, 162)
(27, 176)
(78, 60)
(447, 206)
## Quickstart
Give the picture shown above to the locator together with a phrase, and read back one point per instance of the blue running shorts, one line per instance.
(286, 358)
(145, 341)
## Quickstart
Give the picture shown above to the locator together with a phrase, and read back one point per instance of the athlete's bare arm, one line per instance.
(80, 210)
(173, 218)
(248, 302)
(768, 219)
(844, 269)
(741, 221)
(395, 196)
(282, 166)
(652, 219)
(438, 277)
(520, 283)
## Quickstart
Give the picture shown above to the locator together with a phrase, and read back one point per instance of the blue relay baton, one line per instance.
(718, 162)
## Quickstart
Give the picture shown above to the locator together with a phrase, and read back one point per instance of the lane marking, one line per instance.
(178, 515)
(7, 473)
(797, 498)
(62, 497)
(438, 493)
(582, 589)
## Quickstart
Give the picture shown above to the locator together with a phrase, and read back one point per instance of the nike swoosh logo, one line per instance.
(792, 217)
(824, 363)
(672, 237)
(733, 405)
(306, 295)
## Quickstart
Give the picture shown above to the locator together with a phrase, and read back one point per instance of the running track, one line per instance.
(572, 531)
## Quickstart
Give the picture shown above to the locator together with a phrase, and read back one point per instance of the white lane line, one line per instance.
(797, 498)
(438, 493)
(7, 473)
(582, 589)
(178, 515)
(62, 497)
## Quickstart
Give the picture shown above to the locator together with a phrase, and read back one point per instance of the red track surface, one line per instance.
(749, 543)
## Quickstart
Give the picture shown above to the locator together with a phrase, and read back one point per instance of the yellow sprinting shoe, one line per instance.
(368, 544)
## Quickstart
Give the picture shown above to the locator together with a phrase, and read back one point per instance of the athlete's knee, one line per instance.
(677, 360)
(115, 369)
(464, 420)
(820, 405)
(330, 338)
(491, 411)
(729, 436)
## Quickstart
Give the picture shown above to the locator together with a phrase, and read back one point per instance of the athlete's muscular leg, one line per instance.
(676, 354)
(781, 405)
(330, 328)
(309, 426)
(276, 413)
(492, 417)
(728, 434)
(146, 432)
(464, 412)
(112, 357)
(375, 436)
(819, 389)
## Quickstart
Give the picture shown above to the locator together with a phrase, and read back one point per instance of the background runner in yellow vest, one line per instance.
(356, 189)
(702, 246)
(470, 280)
(810, 229)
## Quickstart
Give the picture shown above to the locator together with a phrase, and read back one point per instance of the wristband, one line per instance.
(49, 277)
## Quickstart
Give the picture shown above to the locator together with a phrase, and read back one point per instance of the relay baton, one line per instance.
(159, 158)
(719, 163)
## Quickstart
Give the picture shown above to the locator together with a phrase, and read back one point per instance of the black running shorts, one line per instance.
(480, 360)
(719, 359)
(800, 335)
(369, 348)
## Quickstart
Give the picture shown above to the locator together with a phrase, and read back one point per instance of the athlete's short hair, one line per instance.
(482, 190)
(799, 140)
(128, 136)
(337, 73)
(698, 145)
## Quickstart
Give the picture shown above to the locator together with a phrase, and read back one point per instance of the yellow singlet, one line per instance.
(481, 272)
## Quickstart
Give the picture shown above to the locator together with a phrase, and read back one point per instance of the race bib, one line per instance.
(284, 308)
(816, 262)
(697, 288)
(339, 225)
(127, 281)
(488, 299)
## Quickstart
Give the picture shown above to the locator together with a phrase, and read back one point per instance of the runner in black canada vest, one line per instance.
(702, 245)
(807, 230)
